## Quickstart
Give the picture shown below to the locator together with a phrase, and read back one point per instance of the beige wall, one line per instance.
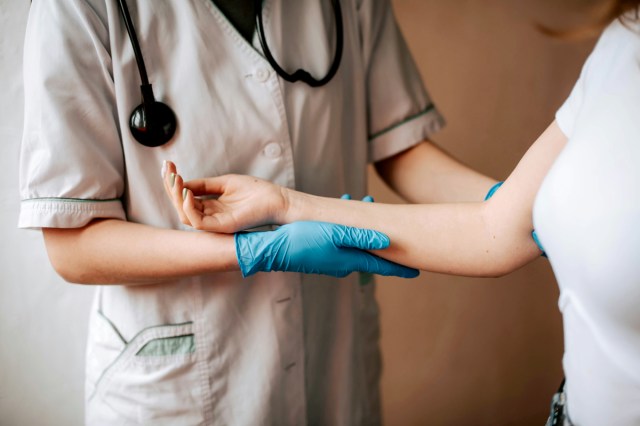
(457, 351)
(462, 351)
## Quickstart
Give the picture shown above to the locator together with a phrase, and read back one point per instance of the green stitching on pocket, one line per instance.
(178, 345)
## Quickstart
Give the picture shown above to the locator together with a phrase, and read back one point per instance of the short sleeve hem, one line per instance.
(66, 213)
(565, 120)
(405, 134)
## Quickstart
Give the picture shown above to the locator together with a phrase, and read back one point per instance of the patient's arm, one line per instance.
(477, 239)
(486, 239)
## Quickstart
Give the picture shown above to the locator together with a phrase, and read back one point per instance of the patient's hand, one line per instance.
(228, 203)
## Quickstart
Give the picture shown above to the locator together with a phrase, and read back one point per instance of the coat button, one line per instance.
(262, 75)
(273, 150)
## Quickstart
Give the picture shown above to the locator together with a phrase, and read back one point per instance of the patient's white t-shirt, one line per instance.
(587, 215)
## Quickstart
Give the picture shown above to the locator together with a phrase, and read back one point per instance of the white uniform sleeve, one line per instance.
(71, 161)
(401, 114)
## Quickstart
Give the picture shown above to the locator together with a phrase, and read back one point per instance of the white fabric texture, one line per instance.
(277, 348)
(587, 217)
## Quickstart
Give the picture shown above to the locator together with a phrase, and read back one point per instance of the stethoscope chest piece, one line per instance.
(154, 124)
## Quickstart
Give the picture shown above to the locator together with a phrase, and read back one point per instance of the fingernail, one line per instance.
(184, 193)
(413, 273)
(172, 179)
(368, 199)
(164, 168)
(346, 196)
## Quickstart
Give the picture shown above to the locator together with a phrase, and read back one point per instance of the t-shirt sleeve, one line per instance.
(610, 71)
(401, 113)
(599, 69)
(567, 114)
(71, 161)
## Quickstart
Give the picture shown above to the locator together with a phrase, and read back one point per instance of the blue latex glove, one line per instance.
(316, 248)
(492, 191)
(366, 198)
(365, 278)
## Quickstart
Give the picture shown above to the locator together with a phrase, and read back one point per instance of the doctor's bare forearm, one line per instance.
(427, 174)
(115, 252)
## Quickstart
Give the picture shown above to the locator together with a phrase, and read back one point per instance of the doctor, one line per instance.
(177, 336)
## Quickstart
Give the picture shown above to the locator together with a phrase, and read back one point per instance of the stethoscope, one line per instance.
(153, 123)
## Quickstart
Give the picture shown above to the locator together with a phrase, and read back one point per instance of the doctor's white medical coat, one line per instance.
(281, 349)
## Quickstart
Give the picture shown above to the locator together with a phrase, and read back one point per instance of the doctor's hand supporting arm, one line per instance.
(425, 173)
(478, 239)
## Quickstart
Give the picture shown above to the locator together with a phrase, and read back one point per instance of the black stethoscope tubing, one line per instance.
(300, 74)
(154, 123)
(151, 123)
(133, 37)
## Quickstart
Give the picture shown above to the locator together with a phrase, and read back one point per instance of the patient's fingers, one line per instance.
(193, 210)
(208, 186)
(173, 186)
(192, 213)
(209, 215)
(178, 197)
(167, 169)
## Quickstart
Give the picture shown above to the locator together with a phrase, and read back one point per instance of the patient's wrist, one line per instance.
(293, 202)
(302, 207)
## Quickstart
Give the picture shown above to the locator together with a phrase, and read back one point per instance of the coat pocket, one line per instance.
(151, 379)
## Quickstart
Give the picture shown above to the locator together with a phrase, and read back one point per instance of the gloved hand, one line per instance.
(366, 198)
(316, 248)
(365, 278)
(493, 190)
(490, 194)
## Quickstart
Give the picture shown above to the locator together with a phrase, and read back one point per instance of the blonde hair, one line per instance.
(618, 9)
(603, 13)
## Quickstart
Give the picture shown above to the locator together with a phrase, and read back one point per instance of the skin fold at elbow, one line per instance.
(504, 264)
(72, 274)
(490, 260)
(498, 272)
(489, 269)
(64, 256)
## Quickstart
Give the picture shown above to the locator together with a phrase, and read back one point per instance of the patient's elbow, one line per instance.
(502, 266)
(496, 273)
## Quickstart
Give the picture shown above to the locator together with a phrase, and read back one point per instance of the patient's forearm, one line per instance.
(480, 239)
(461, 239)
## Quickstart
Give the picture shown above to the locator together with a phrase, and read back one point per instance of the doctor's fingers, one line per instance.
(209, 186)
(366, 262)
